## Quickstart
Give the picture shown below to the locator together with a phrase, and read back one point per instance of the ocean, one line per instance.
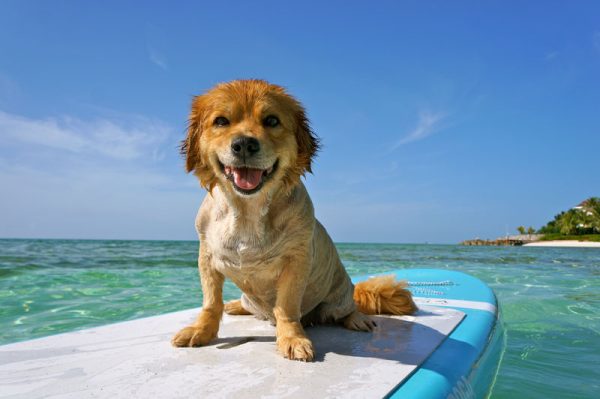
(550, 297)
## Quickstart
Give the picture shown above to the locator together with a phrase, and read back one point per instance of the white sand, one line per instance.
(565, 243)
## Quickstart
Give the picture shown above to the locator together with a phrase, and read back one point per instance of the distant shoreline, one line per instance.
(564, 243)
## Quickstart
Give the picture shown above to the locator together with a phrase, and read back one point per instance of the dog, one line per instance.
(249, 143)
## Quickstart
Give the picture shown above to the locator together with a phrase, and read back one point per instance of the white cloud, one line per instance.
(125, 139)
(157, 58)
(100, 178)
(429, 123)
(88, 201)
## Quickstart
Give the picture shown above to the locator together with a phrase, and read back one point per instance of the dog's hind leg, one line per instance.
(359, 322)
(235, 308)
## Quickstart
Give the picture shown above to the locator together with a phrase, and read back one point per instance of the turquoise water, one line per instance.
(550, 297)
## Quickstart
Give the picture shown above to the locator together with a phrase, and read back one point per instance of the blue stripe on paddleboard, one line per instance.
(448, 370)
(465, 364)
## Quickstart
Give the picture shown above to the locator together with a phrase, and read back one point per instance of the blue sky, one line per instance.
(441, 121)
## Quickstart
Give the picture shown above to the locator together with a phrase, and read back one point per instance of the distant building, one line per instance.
(585, 207)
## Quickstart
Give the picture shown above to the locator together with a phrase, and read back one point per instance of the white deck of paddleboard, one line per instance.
(135, 359)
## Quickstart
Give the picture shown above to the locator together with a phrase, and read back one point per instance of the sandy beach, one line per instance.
(565, 243)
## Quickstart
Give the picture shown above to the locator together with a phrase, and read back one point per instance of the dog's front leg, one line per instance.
(206, 326)
(291, 339)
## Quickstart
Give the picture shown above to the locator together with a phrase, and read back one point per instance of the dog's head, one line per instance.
(248, 136)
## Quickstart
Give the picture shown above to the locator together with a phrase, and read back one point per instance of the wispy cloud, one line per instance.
(126, 139)
(88, 200)
(428, 123)
(99, 178)
(157, 57)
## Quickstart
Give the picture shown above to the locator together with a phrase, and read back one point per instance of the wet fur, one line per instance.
(269, 243)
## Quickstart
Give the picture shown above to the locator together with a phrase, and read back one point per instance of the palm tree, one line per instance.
(593, 205)
(567, 224)
(580, 220)
(521, 229)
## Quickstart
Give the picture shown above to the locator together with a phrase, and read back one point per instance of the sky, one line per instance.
(440, 121)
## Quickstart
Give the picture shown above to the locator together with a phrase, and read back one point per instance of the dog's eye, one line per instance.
(271, 121)
(221, 121)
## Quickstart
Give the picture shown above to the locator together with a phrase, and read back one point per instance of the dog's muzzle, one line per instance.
(245, 147)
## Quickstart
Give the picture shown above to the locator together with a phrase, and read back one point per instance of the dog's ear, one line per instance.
(191, 149)
(308, 142)
(190, 146)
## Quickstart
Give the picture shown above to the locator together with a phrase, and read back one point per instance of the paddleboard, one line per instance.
(450, 348)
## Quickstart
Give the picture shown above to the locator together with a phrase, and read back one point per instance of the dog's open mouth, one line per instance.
(248, 180)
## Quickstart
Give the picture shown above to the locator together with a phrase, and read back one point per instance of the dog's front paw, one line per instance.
(193, 336)
(359, 322)
(296, 348)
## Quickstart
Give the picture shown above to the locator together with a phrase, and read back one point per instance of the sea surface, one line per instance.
(550, 297)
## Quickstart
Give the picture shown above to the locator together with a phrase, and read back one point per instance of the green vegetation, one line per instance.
(575, 237)
(576, 223)
(522, 230)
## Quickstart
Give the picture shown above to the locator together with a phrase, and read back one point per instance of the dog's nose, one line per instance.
(245, 146)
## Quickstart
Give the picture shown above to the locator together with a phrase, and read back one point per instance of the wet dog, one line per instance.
(249, 142)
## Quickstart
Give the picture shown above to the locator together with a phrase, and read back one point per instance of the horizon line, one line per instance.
(197, 240)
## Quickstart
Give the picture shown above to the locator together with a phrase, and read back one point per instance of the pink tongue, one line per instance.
(246, 178)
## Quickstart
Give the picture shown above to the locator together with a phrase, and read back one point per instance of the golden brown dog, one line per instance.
(249, 142)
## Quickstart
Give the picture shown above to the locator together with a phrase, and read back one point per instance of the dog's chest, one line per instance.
(239, 245)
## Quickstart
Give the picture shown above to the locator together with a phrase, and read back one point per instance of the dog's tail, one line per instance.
(384, 295)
